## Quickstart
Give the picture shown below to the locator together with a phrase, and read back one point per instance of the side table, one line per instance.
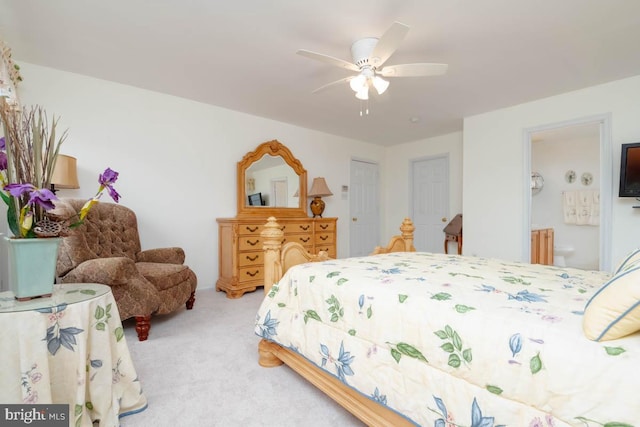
(69, 348)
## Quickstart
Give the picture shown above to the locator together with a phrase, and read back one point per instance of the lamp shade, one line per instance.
(65, 174)
(319, 188)
(380, 84)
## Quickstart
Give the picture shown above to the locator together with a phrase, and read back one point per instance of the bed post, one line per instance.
(407, 228)
(401, 243)
(272, 236)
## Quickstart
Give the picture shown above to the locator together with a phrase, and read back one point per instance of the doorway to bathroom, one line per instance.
(570, 190)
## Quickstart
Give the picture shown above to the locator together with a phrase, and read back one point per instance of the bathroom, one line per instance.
(568, 160)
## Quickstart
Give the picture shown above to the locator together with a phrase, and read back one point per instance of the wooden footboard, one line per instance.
(367, 410)
(278, 259)
(401, 243)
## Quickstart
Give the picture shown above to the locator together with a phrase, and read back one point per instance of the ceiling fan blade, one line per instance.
(388, 43)
(413, 70)
(328, 59)
(337, 82)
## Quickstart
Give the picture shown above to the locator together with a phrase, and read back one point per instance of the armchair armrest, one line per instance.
(173, 255)
(109, 271)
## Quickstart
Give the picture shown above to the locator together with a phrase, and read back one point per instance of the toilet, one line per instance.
(560, 252)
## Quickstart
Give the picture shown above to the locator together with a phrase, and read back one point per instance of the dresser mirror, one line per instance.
(271, 182)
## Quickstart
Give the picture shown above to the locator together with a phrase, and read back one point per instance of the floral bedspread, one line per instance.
(446, 340)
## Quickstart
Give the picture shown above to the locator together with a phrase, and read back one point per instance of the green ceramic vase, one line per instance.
(32, 266)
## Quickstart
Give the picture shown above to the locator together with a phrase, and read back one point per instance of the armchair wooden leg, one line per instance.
(143, 324)
(191, 300)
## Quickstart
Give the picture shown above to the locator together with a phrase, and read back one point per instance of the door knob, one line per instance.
(354, 219)
(444, 219)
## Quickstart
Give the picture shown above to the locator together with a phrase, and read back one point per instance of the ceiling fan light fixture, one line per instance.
(380, 84)
(363, 93)
(358, 82)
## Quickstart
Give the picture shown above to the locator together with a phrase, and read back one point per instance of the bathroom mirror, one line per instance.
(271, 182)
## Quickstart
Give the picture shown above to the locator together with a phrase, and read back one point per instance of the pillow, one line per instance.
(631, 260)
(614, 310)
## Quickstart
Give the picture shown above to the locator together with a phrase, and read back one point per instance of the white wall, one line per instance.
(177, 158)
(493, 166)
(552, 158)
(398, 181)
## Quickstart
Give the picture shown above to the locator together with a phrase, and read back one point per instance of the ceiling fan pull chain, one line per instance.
(365, 109)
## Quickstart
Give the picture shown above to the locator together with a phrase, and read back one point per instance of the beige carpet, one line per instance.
(200, 368)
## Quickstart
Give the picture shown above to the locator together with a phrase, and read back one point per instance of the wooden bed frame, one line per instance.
(277, 260)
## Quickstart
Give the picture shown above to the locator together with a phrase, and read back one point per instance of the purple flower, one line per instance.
(3, 161)
(106, 180)
(42, 197)
(3, 145)
(108, 177)
(17, 190)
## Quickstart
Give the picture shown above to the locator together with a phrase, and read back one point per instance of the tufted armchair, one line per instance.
(106, 249)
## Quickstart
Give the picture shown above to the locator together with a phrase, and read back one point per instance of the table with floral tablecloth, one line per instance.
(68, 349)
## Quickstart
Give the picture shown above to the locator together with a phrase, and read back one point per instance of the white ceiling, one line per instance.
(241, 54)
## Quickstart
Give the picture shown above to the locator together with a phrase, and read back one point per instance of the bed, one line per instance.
(410, 338)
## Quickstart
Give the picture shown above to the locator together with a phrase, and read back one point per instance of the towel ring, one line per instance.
(537, 182)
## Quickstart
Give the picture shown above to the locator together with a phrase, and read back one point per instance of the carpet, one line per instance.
(200, 368)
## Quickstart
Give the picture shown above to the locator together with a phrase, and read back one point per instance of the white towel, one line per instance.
(583, 207)
(569, 207)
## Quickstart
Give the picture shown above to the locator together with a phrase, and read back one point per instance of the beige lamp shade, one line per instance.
(65, 174)
(319, 188)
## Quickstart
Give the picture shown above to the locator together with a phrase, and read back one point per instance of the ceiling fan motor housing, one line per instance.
(362, 49)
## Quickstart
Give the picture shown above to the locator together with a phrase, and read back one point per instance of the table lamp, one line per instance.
(65, 174)
(319, 189)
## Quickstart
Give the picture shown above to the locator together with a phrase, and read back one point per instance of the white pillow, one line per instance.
(614, 311)
(631, 260)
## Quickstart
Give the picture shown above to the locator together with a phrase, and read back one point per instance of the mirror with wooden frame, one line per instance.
(271, 182)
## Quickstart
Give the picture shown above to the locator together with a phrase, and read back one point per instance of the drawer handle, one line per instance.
(252, 259)
(324, 226)
(304, 227)
(305, 240)
(254, 243)
(283, 227)
(251, 230)
(253, 274)
(324, 237)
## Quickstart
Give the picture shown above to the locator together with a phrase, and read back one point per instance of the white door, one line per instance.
(430, 202)
(279, 189)
(364, 228)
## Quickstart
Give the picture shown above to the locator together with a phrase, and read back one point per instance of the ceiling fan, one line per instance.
(369, 54)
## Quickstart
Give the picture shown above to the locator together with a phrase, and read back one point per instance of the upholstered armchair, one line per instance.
(106, 249)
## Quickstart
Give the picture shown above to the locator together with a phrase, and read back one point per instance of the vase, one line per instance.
(32, 266)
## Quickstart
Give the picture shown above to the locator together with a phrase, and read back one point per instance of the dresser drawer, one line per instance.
(303, 239)
(325, 238)
(249, 243)
(325, 226)
(291, 227)
(250, 229)
(247, 274)
(246, 259)
(330, 249)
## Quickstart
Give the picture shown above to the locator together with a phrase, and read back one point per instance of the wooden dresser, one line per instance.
(279, 179)
(240, 248)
